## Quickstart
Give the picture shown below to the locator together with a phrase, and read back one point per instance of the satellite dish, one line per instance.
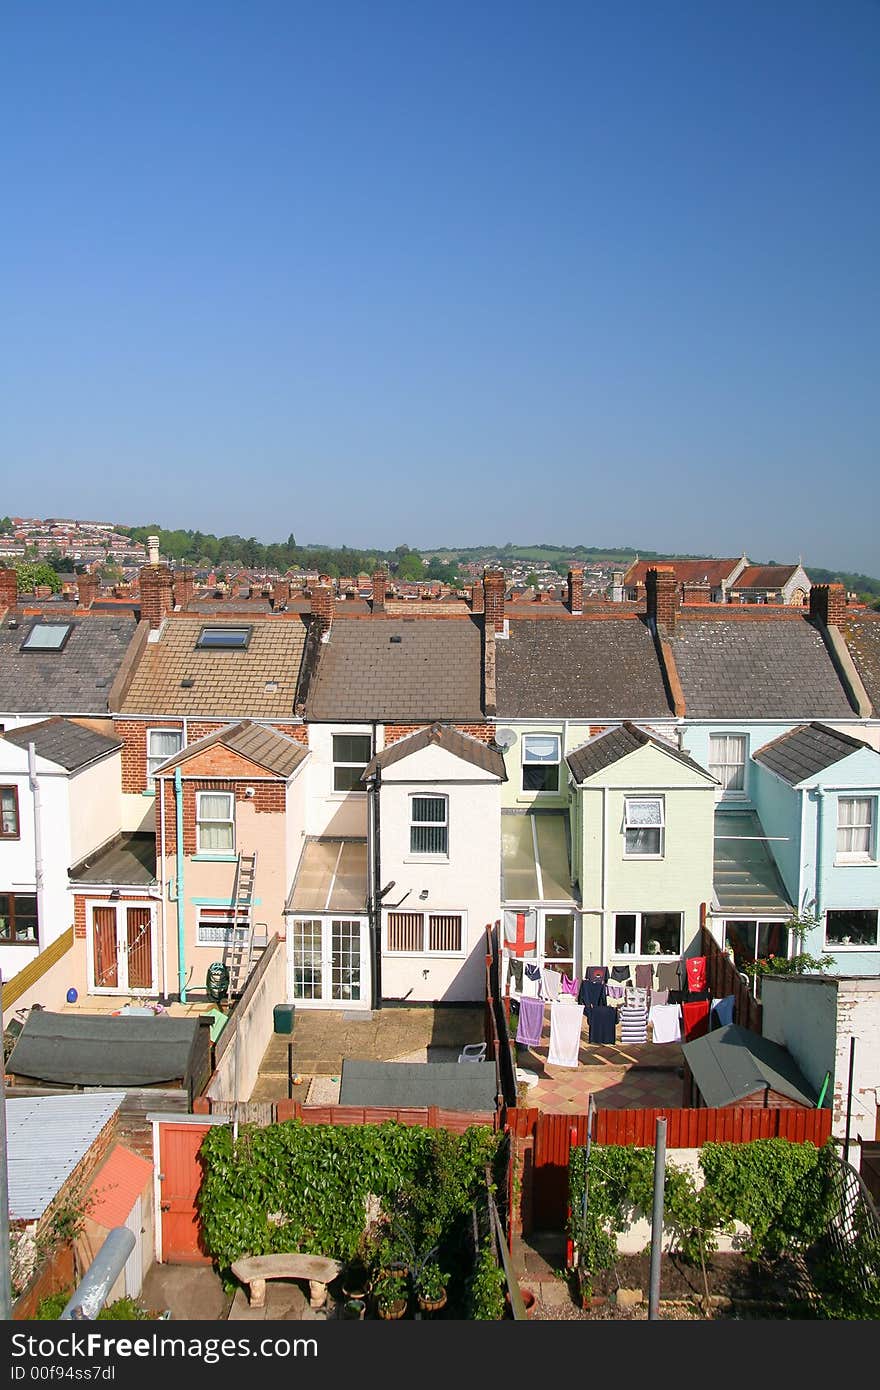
(505, 738)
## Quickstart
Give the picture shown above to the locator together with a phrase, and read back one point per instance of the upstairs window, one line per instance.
(224, 638)
(643, 827)
(429, 825)
(161, 745)
(351, 753)
(47, 637)
(541, 757)
(727, 761)
(215, 823)
(855, 829)
(9, 825)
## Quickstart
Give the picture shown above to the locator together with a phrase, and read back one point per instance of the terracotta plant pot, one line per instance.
(354, 1309)
(432, 1305)
(391, 1311)
(528, 1297)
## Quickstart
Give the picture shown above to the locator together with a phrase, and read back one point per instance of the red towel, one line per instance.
(696, 973)
(696, 1019)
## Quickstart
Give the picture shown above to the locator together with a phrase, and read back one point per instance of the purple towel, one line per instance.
(570, 986)
(531, 1022)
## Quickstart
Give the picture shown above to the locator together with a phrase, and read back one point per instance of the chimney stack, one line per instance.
(697, 591)
(86, 590)
(576, 589)
(662, 596)
(380, 581)
(617, 586)
(477, 603)
(156, 586)
(8, 588)
(182, 587)
(828, 603)
(280, 593)
(493, 598)
(322, 605)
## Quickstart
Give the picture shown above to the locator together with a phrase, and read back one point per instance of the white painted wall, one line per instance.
(95, 805)
(17, 865)
(469, 881)
(250, 1031)
(635, 1237)
(330, 812)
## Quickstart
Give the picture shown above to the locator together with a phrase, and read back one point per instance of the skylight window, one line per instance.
(224, 638)
(47, 637)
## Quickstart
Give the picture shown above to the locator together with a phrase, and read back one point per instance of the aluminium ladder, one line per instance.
(240, 949)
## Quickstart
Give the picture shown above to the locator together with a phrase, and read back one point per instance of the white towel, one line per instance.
(665, 1020)
(552, 982)
(565, 1034)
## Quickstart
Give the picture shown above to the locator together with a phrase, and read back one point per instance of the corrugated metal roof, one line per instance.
(114, 1190)
(47, 1136)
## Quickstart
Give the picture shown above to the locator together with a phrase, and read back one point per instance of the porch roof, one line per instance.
(129, 861)
(331, 877)
(535, 859)
(745, 877)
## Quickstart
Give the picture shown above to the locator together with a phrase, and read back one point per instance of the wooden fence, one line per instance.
(264, 1113)
(36, 969)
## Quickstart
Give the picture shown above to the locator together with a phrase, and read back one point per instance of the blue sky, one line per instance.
(446, 273)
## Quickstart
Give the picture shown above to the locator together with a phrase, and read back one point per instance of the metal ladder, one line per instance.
(238, 953)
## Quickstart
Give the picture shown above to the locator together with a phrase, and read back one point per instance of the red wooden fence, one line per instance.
(431, 1116)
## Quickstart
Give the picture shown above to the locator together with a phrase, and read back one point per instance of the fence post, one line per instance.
(657, 1220)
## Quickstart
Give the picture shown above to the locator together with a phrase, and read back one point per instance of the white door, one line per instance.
(121, 948)
(329, 963)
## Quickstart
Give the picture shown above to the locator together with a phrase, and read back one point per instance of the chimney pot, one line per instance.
(152, 550)
(662, 596)
(493, 598)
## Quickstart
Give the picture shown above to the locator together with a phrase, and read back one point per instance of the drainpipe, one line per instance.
(164, 933)
(34, 783)
(604, 875)
(181, 901)
(820, 802)
(376, 899)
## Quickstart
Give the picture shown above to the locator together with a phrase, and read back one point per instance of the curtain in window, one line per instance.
(643, 813)
(854, 825)
(215, 822)
(9, 807)
(727, 756)
(406, 931)
(444, 933)
(429, 830)
(541, 749)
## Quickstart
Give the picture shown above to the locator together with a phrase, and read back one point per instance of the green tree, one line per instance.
(411, 567)
(33, 573)
(531, 580)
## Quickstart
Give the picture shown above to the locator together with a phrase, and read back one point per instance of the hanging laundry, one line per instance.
(603, 1025)
(665, 1021)
(597, 973)
(696, 973)
(570, 986)
(552, 982)
(521, 932)
(696, 1019)
(565, 1034)
(659, 996)
(531, 1022)
(621, 972)
(645, 976)
(633, 1025)
(669, 975)
(591, 993)
(722, 1011)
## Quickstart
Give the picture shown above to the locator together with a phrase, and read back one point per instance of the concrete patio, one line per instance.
(619, 1077)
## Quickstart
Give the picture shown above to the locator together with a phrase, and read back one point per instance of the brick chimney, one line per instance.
(477, 604)
(828, 603)
(156, 586)
(493, 598)
(661, 592)
(8, 588)
(576, 589)
(380, 581)
(182, 587)
(696, 592)
(322, 605)
(280, 593)
(86, 589)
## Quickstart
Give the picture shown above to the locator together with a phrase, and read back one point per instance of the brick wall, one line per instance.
(394, 732)
(268, 798)
(133, 733)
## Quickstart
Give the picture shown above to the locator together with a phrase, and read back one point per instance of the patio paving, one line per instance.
(632, 1077)
(322, 1038)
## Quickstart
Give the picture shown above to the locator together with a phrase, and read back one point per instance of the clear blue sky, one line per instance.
(446, 273)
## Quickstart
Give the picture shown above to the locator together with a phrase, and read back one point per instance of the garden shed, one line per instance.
(733, 1066)
(415, 1085)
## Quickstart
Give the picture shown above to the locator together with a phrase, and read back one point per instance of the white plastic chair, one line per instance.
(473, 1052)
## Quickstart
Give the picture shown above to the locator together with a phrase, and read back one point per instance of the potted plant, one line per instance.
(391, 1294)
(431, 1287)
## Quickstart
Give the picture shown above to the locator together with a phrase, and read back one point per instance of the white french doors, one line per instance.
(329, 962)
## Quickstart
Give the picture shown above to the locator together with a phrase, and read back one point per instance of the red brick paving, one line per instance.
(641, 1077)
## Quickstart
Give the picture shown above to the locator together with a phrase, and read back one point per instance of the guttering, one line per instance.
(181, 901)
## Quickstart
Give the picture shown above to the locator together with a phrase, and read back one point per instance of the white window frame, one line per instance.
(540, 762)
(755, 922)
(717, 766)
(338, 762)
(225, 820)
(434, 856)
(636, 955)
(836, 946)
(661, 827)
(868, 856)
(219, 919)
(152, 758)
(425, 916)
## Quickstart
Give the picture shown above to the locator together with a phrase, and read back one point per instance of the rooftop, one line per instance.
(745, 876)
(731, 1063)
(73, 678)
(129, 861)
(266, 747)
(331, 877)
(801, 753)
(64, 743)
(609, 747)
(470, 750)
(47, 1137)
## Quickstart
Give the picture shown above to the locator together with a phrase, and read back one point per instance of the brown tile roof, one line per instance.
(410, 668)
(266, 747)
(686, 571)
(862, 636)
(460, 745)
(764, 576)
(257, 682)
(609, 747)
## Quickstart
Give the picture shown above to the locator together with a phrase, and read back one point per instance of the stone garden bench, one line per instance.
(254, 1270)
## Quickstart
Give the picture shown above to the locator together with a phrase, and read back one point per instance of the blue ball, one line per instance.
(72, 995)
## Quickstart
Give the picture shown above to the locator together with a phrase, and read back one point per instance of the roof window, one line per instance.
(47, 637)
(224, 638)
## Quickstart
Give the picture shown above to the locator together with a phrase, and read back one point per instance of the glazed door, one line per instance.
(121, 942)
(329, 963)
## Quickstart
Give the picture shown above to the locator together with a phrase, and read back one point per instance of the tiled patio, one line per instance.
(639, 1077)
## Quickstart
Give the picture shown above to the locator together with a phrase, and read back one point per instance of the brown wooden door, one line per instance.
(104, 954)
(139, 943)
(180, 1177)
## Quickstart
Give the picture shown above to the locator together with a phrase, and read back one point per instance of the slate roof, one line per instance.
(470, 750)
(74, 680)
(803, 752)
(612, 745)
(257, 682)
(128, 861)
(414, 668)
(756, 668)
(861, 632)
(579, 668)
(267, 747)
(731, 1063)
(745, 877)
(59, 741)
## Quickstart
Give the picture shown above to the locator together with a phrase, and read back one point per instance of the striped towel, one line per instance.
(633, 1024)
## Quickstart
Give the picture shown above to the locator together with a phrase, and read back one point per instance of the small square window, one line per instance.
(643, 827)
(351, 753)
(429, 825)
(851, 927)
(855, 829)
(224, 638)
(215, 822)
(162, 744)
(47, 637)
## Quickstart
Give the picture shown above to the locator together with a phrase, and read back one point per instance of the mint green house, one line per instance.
(643, 846)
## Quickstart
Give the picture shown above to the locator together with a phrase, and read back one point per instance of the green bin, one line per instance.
(284, 1016)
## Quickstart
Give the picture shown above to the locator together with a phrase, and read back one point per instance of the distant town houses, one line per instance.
(374, 771)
